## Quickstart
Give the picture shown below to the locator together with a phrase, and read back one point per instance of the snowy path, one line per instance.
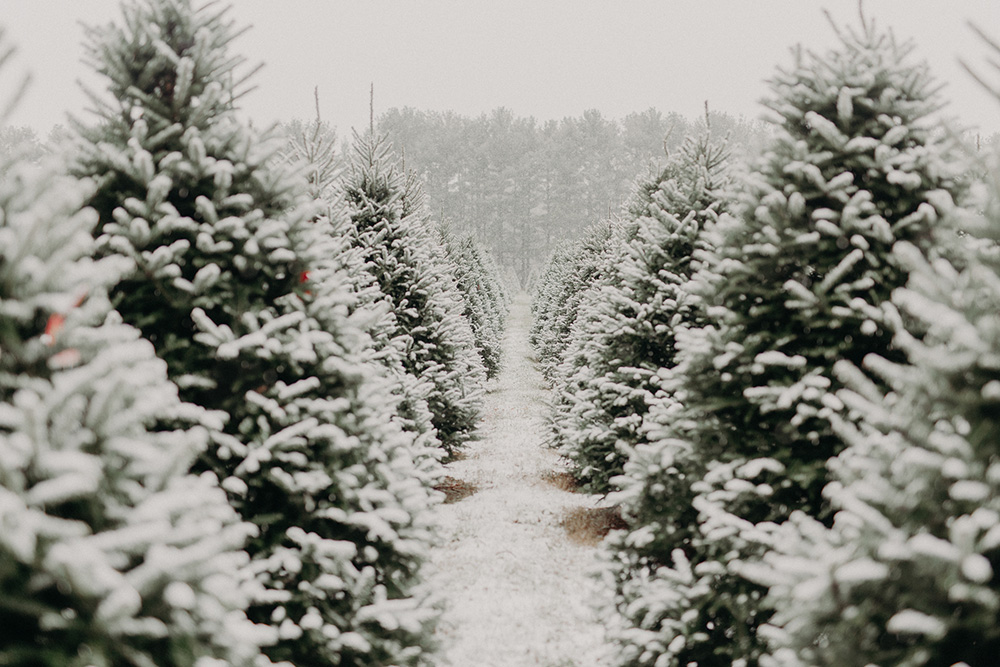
(517, 590)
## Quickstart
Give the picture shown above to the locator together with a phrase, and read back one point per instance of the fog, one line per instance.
(548, 60)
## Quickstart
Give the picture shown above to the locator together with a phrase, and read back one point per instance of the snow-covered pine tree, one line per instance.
(795, 286)
(856, 166)
(545, 294)
(624, 334)
(312, 147)
(572, 370)
(225, 251)
(658, 576)
(569, 274)
(482, 293)
(405, 256)
(496, 293)
(907, 574)
(111, 552)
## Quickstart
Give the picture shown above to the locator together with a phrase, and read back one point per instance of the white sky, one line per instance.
(544, 58)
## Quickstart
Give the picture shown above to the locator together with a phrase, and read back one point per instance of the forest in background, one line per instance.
(521, 187)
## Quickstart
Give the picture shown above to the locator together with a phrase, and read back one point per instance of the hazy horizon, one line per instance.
(545, 60)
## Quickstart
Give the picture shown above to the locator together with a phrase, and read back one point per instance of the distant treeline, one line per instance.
(522, 186)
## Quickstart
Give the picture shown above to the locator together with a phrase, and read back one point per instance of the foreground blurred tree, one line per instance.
(17, 143)
(20, 143)
(907, 574)
(227, 287)
(111, 553)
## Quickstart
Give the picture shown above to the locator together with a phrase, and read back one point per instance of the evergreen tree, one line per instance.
(855, 168)
(624, 334)
(557, 301)
(482, 292)
(408, 264)
(663, 585)
(111, 553)
(906, 574)
(571, 371)
(230, 287)
(544, 298)
(20, 143)
(310, 148)
(795, 285)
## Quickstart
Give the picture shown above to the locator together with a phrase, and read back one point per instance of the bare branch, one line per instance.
(6, 53)
(666, 137)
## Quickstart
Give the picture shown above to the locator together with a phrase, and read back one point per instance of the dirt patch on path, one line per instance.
(590, 525)
(455, 489)
(563, 481)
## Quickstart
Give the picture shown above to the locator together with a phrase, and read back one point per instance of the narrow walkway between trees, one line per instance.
(518, 590)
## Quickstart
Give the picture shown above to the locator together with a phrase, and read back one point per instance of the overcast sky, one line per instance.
(544, 58)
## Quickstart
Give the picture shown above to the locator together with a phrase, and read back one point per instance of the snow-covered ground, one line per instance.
(518, 591)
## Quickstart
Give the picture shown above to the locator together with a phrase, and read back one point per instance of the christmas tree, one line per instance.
(556, 304)
(544, 298)
(310, 149)
(906, 574)
(408, 263)
(624, 334)
(230, 288)
(111, 552)
(571, 371)
(485, 299)
(795, 285)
